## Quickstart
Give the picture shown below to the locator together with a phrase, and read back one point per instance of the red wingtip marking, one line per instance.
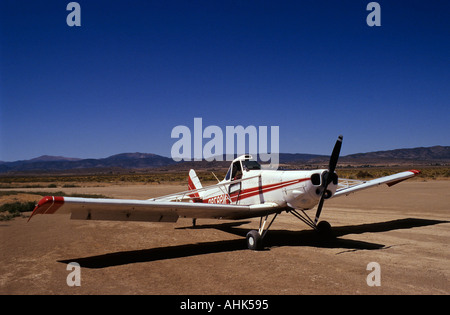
(416, 172)
(48, 205)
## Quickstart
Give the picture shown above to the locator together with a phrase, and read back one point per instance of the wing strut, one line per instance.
(304, 218)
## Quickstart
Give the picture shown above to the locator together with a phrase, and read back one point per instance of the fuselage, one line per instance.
(294, 189)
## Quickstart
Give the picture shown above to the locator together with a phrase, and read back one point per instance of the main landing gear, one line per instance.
(255, 238)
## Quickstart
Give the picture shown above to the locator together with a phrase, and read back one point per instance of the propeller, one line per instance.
(328, 178)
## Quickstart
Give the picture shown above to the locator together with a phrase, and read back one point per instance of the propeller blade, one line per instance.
(329, 177)
(319, 208)
(334, 159)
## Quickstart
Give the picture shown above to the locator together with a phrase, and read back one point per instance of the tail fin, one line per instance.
(194, 183)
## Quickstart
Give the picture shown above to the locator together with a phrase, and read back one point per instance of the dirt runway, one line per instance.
(404, 228)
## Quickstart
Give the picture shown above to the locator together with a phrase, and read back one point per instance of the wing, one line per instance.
(351, 186)
(147, 210)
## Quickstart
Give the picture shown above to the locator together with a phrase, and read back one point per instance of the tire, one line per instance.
(254, 241)
(324, 230)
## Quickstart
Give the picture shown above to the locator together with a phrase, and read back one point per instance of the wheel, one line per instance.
(254, 241)
(324, 230)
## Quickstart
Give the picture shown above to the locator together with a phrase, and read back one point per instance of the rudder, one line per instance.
(194, 183)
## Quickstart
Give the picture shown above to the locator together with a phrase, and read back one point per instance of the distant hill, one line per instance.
(123, 160)
(435, 154)
(412, 156)
(300, 157)
(50, 158)
(137, 160)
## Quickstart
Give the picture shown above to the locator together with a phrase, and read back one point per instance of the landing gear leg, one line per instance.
(323, 228)
(255, 238)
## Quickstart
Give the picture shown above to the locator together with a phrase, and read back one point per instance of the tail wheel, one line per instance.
(254, 240)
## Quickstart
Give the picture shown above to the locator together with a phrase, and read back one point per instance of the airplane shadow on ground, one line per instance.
(274, 238)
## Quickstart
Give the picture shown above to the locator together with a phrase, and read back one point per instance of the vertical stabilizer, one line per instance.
(194, 183)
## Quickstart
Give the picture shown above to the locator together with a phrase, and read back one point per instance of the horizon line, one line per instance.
(203, 159)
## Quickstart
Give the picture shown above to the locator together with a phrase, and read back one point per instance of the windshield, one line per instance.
(227, 177)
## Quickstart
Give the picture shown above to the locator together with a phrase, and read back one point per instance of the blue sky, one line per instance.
(136, 69)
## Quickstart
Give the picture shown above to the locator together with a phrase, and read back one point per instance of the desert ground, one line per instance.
(404, 228)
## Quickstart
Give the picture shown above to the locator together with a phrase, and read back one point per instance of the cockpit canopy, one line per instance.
(242, 163)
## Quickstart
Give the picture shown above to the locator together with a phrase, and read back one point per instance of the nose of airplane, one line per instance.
(330, 188)
(306, 194)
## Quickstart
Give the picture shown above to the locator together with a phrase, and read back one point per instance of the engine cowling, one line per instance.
(307, 193)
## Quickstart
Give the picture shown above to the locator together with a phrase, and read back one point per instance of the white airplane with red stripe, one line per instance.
(247, 191)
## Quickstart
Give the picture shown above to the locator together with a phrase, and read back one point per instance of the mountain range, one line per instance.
(124, 161)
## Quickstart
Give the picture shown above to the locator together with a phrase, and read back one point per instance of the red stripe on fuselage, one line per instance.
(253, 191)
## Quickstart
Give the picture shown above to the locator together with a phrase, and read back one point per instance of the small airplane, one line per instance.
(247, 191)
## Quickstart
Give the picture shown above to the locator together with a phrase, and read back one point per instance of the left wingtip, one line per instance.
(48, 204)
